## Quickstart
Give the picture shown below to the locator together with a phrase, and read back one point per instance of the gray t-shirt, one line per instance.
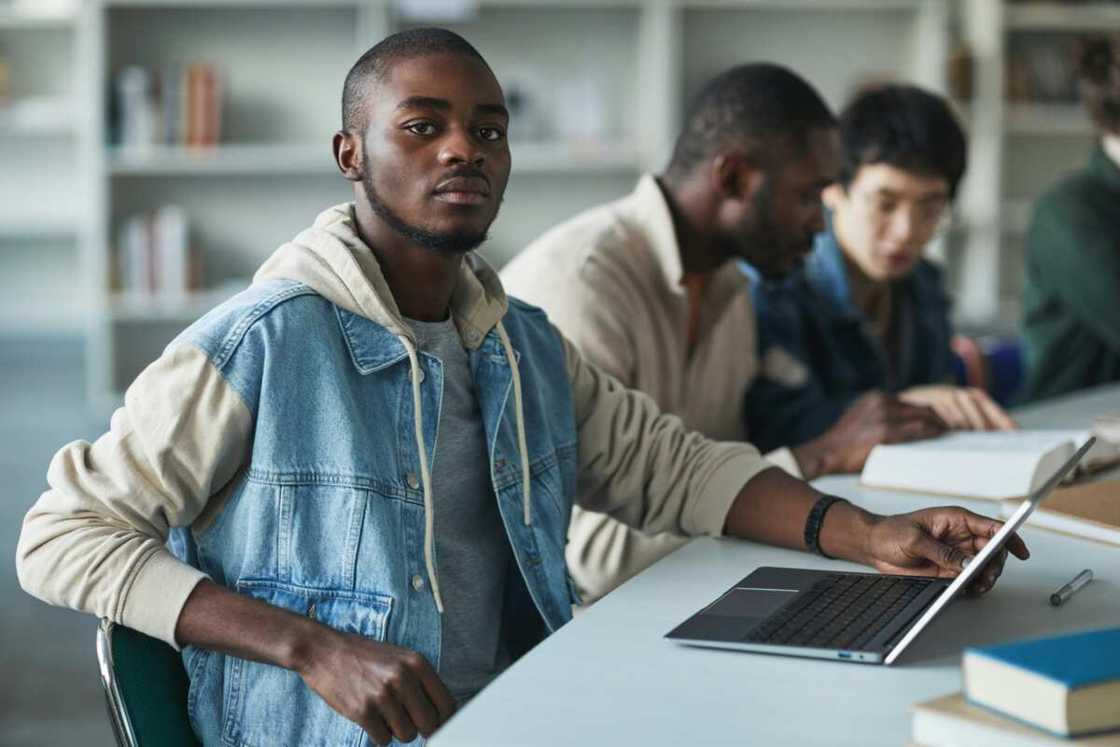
(471, 548)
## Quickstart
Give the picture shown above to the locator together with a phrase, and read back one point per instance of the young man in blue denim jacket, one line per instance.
(867, 312)
(363, 466)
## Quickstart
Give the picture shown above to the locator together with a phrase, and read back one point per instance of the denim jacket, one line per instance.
(817, 353)
(280, 446)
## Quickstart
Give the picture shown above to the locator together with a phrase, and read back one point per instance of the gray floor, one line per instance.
(49, 688)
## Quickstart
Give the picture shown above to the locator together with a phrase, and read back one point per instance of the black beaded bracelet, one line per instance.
(814, 522)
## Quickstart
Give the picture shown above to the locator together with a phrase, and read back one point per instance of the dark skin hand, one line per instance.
(387, 690)
(874, 418)
(930, 542)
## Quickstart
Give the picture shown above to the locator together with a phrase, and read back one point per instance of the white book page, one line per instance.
(979, 464)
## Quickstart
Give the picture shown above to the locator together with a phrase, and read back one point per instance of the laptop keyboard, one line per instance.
(839, 611)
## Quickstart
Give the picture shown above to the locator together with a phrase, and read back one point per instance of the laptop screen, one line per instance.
(981, 558)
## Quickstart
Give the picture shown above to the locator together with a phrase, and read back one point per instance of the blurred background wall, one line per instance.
(153, 152)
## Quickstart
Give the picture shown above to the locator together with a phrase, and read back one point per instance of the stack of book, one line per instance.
(1060, 690)
(174, 105)
(154, 255)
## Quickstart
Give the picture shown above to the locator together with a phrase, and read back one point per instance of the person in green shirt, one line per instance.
(1071, 300)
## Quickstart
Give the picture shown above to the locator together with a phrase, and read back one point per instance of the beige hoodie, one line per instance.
(94, 541)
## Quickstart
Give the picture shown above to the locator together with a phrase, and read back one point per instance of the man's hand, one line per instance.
(874, 418)
(962, 408)
(938, 542)
(387, 690)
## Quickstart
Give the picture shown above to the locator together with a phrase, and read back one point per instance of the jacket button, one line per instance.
(412, 481)
(420, 375)
(417, 582)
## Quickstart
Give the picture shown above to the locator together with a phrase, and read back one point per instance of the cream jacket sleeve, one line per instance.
(94, 541)
(644, 467)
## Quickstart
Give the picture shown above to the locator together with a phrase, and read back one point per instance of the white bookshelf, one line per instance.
(45, 227)
(628, 67)
(1017, 149)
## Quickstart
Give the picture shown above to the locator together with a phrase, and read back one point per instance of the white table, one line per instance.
(609, 677)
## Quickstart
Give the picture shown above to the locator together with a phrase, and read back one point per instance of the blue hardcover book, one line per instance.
(1066, 684)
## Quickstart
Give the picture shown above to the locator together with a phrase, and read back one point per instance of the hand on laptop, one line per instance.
(873, 418)
(963, 408)
(938, 542)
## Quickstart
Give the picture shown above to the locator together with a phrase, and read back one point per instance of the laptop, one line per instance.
(859, 617)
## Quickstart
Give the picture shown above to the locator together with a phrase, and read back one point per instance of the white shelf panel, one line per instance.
(158, 160)
(1064, 17)
(303, 159)
(1047, 119)
(233, 4)
(38, 229)
(44, 14)
(560, 158)
(804, 5)
(167, 308)
(37, 116)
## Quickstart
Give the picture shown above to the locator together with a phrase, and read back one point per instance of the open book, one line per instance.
(981, 464)
(1091, 510)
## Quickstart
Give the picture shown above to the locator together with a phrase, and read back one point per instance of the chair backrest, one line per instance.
(145, 689)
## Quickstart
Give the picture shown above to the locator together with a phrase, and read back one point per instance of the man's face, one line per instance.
(436, 159)
(777, 233)
(886, 217)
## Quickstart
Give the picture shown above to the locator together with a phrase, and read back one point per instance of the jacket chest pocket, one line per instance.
(267, 705)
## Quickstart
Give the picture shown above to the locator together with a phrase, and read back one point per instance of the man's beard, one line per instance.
(447, 243)
(773, 252)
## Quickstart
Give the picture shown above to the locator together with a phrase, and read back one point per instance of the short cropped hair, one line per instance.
(378, 59)
(752, 105)
(902, 126)
(1098, 73)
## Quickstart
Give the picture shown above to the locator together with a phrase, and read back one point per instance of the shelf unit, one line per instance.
(1017, 149)
(46, 229)
(627, 67)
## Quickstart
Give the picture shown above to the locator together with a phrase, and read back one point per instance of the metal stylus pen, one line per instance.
(1059, 597)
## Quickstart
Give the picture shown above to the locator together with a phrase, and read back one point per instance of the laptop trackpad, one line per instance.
(748, 602)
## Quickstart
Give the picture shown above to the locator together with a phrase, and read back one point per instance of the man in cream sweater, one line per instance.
(650, 290)
(344, 493)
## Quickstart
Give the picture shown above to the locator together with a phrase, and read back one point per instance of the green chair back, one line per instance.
(145, 689)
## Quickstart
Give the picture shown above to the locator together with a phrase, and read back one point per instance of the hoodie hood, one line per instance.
(331, 258)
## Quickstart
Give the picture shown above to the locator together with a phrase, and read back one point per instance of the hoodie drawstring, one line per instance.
(425, 474)
(522, 443)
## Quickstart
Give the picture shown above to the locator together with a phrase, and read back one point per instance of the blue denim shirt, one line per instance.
(327, 518)
(810, 317)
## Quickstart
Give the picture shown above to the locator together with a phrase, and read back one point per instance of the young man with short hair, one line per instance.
(649, 288)
(364, 464)
(867, 312)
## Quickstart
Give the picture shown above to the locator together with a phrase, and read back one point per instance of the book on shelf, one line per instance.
(154, 255)
(175, 104)
(983, 464)
(1068, 684)
(951, 721)
(1089, 510)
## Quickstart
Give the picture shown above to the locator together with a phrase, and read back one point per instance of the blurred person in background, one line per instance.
(649, 288)
(1071, 299)
(867, 312)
